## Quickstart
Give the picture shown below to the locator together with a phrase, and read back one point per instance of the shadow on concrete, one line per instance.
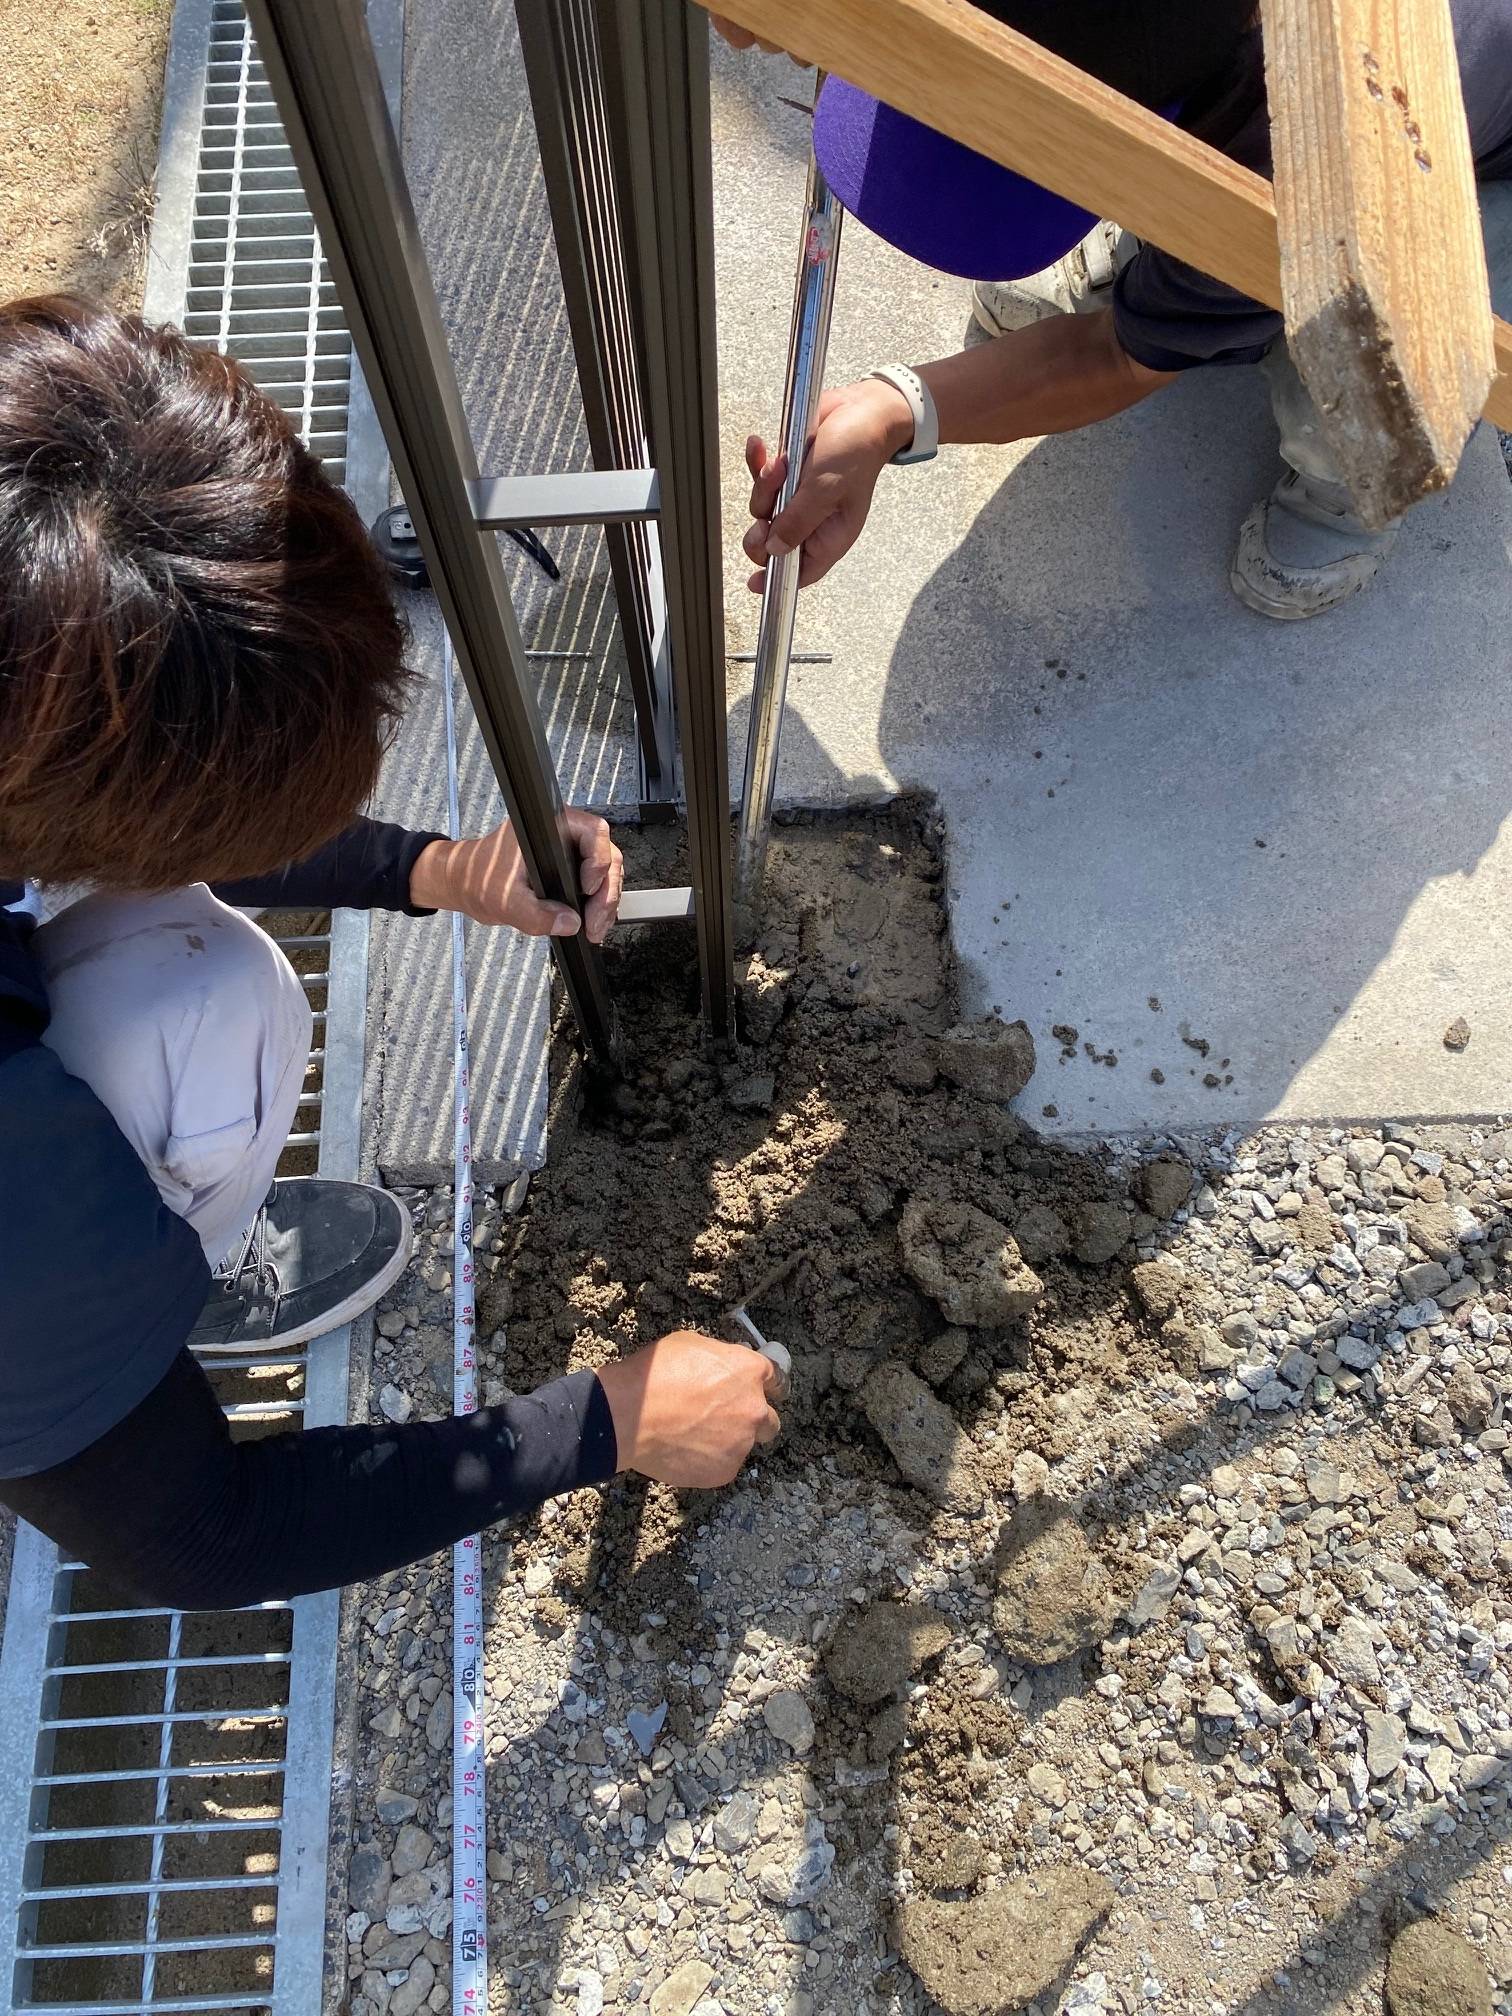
(1153, 794)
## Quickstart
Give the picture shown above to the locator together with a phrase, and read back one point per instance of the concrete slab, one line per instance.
(1293, 838)
(471, 158)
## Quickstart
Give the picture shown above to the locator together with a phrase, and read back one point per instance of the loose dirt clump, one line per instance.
(994, 1060)
(1433, 1972)
(870, 1658)
(1053, 1595)
(996, 1953)
(968, 1263)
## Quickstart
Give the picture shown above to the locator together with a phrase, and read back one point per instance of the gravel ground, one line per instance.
(1122, 1623)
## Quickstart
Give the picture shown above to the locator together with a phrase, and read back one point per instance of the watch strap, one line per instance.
(926, 439)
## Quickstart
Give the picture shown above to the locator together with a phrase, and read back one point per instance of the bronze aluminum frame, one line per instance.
(641, 67)
(654, 79)
(563, 70)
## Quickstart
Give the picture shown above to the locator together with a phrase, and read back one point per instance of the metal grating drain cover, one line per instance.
(257, 283)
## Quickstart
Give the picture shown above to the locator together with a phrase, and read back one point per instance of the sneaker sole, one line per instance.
(356, 1304)
(1250, 566)
(1275, 612)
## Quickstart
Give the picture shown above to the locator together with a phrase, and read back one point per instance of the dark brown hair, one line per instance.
(199, 656)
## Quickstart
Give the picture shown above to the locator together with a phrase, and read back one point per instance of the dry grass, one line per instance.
(80, 95)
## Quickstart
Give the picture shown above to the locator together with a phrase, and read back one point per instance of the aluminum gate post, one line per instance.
(654, 75)
(325, 78)
(563, 69)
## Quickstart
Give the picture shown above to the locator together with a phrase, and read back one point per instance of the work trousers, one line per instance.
(189, 1024)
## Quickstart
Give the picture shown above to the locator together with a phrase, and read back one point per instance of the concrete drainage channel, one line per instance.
(165, 1778)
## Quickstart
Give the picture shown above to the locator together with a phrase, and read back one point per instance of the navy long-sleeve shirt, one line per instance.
(100, 1282)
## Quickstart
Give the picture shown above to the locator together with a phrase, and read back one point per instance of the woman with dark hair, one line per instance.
(199, 662)
(1139, 317)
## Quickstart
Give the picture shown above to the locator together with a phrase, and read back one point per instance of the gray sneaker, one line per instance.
(317, 1254)
(1302, 551)
(1079, 284)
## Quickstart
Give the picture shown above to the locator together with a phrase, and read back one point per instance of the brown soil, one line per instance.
(1018, 1478)
(667, 1201)
(80, 92)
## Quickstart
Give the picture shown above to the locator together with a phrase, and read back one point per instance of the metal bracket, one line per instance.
(579, 497)
(655, 906)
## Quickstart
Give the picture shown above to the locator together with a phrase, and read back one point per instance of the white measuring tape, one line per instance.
(469, 1817)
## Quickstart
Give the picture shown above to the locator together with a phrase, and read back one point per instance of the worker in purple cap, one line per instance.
(1089, 322)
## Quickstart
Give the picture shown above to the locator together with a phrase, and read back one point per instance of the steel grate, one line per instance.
(257, 282)
(165, 1777)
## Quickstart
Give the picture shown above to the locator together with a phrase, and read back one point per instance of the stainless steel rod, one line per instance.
(813, 308)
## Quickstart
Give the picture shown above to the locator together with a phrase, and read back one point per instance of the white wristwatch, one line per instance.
(925, 444)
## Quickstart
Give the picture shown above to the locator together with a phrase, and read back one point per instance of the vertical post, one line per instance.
(325, 78)
(655, 72)
(808, 344)
(1383, 268)
(559, 43)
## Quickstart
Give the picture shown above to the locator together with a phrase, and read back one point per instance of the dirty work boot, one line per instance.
(1075, 285)
(317, 1254)
(1302, 550)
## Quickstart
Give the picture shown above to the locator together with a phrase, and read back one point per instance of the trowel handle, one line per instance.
(776, 1354)
(781, 1357)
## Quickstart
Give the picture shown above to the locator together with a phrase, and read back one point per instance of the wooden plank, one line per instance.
(1499, 405)
(993, 89)
(1383, 270)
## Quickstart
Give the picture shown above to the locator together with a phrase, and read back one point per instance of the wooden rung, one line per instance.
(1499, 402)
(997, 91)
(1383, 269)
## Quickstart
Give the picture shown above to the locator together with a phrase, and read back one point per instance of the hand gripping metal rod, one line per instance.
(813, 306)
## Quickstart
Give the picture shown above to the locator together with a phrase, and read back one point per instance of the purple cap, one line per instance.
(936, 200)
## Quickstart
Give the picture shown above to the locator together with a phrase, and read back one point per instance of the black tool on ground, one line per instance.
(394, 536)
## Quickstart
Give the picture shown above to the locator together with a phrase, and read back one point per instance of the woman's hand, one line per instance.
(688, 1410)
(859, 429)
(485, 879)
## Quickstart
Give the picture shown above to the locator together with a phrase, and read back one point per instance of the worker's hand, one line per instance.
(742, 38)
(485, 879)
(859, 430)
(688, 1410)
